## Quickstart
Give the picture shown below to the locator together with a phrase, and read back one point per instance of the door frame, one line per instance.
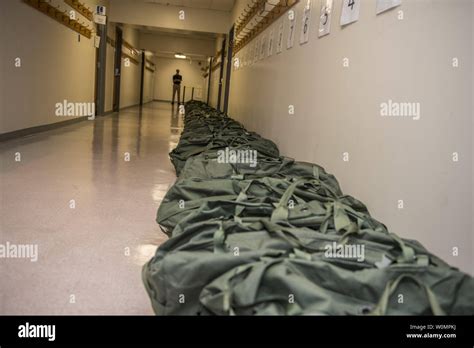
(142, 77)
(100, 70)
(209, 81)
(229, 69)
(117, 68)
(221, 74)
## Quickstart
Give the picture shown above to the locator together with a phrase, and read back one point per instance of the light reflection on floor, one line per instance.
(83, 251)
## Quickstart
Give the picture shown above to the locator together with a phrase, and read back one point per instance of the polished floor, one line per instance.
(86, 195)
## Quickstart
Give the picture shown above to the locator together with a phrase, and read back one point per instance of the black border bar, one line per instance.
(141, 330)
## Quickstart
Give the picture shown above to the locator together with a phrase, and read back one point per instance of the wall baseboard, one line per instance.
(39, 129)
(129, 106)
(169, 101)
(47, 127)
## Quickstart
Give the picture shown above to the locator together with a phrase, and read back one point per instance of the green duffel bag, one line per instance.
(186, 150)
(204, 250)
(185, 264)
(207, 166)
(382, 248)
(182, 266)
(182, 152)
(303, 202)
(263, 194)
(187, 196)
(297, 286)
(323, 210)
(249, 140)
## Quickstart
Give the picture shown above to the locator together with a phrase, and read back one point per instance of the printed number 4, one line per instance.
(351, 4)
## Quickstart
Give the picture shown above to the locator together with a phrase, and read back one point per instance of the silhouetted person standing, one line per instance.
(177, 78)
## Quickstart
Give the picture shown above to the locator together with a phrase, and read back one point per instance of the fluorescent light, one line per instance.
(180, 56)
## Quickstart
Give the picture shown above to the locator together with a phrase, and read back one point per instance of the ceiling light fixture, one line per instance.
(180, 56)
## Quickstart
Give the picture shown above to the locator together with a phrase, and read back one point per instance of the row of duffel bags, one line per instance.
(254, 240)
(206, 132)
(216, 264)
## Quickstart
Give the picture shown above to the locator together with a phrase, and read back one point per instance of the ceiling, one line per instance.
(180, 33)
(217, 5)
(189, 34)
(192, 57)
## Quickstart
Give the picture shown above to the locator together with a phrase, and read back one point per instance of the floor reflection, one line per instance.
(116, 203)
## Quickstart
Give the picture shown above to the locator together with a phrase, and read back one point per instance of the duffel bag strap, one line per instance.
(408, 253)
(219, 240)
(391, 287)
(281, 211)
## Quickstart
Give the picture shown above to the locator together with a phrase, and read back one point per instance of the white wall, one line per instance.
(192, 76)
(55, 65)
(337, 110)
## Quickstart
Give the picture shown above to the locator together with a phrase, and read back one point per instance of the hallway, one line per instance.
(92, 212)
(234, 157)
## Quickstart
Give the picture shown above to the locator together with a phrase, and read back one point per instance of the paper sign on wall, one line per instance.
(350, 11)
(263, 47)
(325, 18)
(96, 41)
(280, 38)
(291, 28)
(257, 47)
(384, 5)
(252, 53)
(236, 63)
(99, 19)
(270, 44)
(304, 35)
